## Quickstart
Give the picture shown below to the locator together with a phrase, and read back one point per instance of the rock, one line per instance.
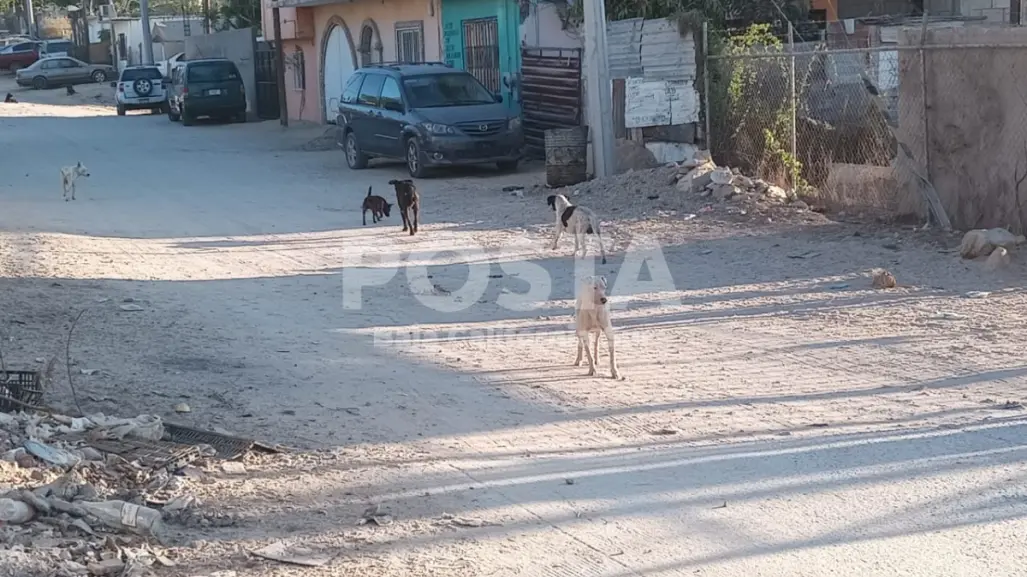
(182, 408)
(106, 567)
(999, 258)
(742, 181)
(721, 176)
(980, 242)
(776, 193)
(723, 191)
(130, 308)
(799, 205)
(883, 279)
(697, 179)
(760, 186)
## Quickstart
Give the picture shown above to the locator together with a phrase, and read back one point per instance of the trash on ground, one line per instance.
(294, 555)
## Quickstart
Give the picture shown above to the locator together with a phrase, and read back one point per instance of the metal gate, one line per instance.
(267, 82)
(481, 51)
(550, 93)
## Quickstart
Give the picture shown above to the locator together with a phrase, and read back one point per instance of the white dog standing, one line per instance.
(592, 316)
(69, 174)
(577, 220)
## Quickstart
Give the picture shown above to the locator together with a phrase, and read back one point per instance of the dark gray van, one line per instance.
(427, 115)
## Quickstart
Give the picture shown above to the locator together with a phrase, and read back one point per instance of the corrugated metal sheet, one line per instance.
(624, 47)
(650, 49)
(666, 54)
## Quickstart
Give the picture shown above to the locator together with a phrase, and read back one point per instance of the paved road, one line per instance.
(234, 241)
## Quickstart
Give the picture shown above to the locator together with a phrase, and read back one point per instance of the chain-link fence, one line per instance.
(878, 128)
(818, 121)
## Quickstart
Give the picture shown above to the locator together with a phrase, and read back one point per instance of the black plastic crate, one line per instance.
(23, 386)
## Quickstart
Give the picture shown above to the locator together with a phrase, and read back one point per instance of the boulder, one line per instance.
(980, 242)
(723, 191)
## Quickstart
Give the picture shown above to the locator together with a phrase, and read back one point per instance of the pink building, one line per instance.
(325, 41)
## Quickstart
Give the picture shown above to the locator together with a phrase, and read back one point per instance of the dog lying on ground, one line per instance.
(592, 316)
(409, 202)
(576, 220)
(378, 206)
(69, 174)
(10, 99)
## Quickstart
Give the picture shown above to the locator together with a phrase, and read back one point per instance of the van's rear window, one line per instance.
(213, 72)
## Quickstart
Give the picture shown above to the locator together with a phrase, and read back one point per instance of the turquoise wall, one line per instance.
(508, 15)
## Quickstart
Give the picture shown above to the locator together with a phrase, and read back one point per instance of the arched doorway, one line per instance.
(338, 62)
(370, 48)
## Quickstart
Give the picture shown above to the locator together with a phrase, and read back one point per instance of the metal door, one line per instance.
(481, 51)
(267, 82)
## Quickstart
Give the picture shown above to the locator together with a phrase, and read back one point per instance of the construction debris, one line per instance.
(89, 495)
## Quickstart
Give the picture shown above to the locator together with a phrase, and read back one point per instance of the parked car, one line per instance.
(166, 66)
(428, 115)
(209, 87)
(50, 72)
(17, 56)
(141, 87)
(55, 48)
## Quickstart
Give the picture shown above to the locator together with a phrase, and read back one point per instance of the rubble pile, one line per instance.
(689, 189)
(94, 495)
(702, 177)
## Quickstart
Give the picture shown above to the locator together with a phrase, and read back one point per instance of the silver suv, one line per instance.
(141, 87)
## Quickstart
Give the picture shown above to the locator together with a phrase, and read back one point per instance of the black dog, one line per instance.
(10, 99)
(378, 206)
(409, 202)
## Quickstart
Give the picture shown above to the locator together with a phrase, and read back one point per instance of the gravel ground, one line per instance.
(779, 417)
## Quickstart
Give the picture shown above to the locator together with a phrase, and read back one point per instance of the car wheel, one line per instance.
(415, 160)
(187, 119)
(164, 108)
(354, 157)
(39, 82)
(172, 115)
(99, 76)
(121, 110)
(240, 117)
(507, 165)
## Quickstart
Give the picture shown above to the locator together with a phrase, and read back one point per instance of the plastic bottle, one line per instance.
(125, 516)
(15, 512)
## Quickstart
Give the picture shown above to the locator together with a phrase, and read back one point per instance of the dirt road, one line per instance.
(782, 418)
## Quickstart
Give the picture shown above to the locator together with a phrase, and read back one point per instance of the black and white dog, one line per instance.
(576, 220)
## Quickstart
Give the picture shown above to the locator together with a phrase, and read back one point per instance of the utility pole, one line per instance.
(283, 104)
(30, 19)
(206, 16)
(144, 13)
(600, 99)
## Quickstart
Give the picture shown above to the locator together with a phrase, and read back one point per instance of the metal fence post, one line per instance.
(791, 87)
(706, 83)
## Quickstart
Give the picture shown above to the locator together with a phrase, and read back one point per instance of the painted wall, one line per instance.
(307, 103)
(507, 13)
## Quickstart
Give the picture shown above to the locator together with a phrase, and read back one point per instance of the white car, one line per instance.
(141, 87)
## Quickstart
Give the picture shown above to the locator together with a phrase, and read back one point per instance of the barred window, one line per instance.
(410, 41)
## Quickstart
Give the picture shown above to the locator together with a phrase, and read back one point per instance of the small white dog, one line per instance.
(576, 220)
(69, 174)
(592, 316)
